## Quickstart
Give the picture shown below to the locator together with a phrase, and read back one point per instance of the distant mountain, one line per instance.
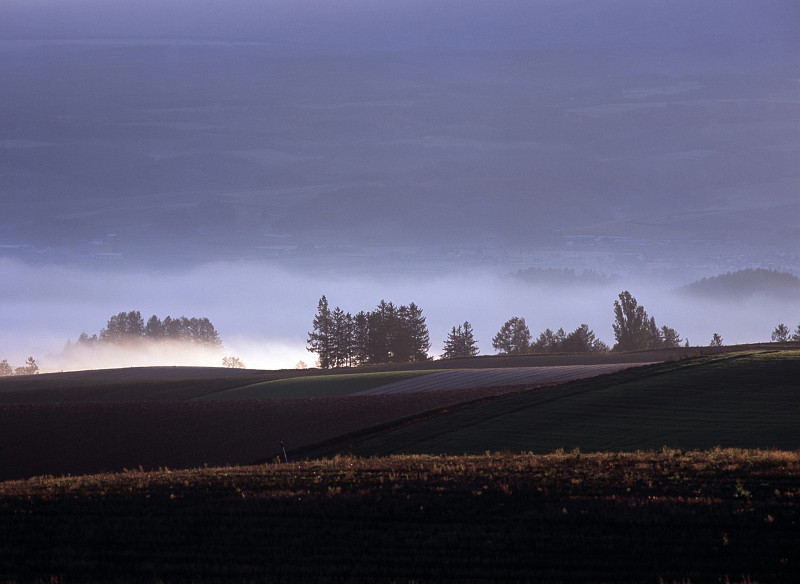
(744, 283)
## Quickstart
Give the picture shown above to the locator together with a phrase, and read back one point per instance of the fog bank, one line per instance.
(263, 313)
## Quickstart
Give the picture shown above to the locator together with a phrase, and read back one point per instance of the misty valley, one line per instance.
(399, 292)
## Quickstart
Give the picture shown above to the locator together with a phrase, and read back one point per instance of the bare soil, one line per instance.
(81, 438)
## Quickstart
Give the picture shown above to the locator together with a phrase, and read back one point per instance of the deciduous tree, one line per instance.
(233, 362)
(780, 334)
(631, 326)
(29, 368)
(514, 337)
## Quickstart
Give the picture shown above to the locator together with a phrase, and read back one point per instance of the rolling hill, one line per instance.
(749, 399)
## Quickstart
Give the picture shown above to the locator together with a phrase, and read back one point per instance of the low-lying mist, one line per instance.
(263, 312)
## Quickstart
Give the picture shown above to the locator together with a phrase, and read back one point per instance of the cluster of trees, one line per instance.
(391, 334)
(782, 334)
(388, 334)
(515, 337)
(29, 368)
(634, 330)
(130, 326)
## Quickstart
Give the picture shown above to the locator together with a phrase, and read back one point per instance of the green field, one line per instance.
(740, 400)
(314, 386)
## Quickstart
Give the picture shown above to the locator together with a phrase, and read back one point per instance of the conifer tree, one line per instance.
(460, 342)
(320, 339)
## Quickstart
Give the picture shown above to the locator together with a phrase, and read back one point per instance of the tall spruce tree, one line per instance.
(418, 334)
(460, 342)
(320, 339)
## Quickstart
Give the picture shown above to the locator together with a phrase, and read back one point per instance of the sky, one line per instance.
(412, 24)
(237, 160)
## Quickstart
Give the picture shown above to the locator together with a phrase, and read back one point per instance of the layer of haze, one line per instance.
(263, 312)
(237, 160)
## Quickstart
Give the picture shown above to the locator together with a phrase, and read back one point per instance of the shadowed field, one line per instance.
(729, 399)
(621, 518)
(747, 399)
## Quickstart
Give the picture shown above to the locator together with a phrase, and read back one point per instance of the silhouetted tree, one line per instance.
(460, 342)
(513, 337)
(796, 335)
(320, 339)
(631, 326)
(342, 338)
(670, 337)
(418, 337)
(86, 340)
(780, 334)
(123, 327)
(547, 342)
(583, 340)
(233, 362)
(654, 338)
(716, 341)
(29, 368)
(360, 338)
(5, 368)
(388, 334)
(154, 329)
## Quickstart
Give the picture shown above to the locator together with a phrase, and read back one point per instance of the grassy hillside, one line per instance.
(695, 517)
(742, 399)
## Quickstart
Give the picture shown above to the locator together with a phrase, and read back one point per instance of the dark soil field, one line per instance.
(721, 516)
(79, 438)
(536, 502)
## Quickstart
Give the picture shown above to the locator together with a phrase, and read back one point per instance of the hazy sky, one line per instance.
(188, 142)
(384, 24)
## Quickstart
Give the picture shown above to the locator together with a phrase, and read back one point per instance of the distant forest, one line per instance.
(127, 327)
(744, 283)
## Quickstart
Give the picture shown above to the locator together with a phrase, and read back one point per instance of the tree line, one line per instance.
(126, 327)
(29, 368)
(515, 337)
(388, 334)
(782, 334)
(391, 334)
